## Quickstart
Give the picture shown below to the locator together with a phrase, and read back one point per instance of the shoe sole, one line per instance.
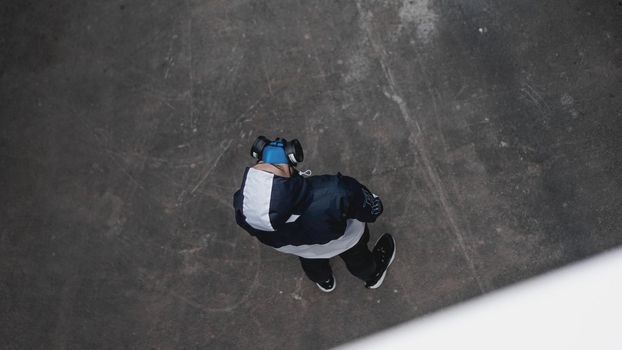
(328, 290)
(379, 283)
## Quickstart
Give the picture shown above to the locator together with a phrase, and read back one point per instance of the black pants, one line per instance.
(359, 261)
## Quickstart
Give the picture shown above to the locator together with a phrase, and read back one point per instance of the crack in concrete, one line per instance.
(209, 171)
(395, 95)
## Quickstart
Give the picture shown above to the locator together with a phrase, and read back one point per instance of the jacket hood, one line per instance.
(270, 201)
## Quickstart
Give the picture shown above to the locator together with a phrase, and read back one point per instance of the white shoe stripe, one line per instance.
(328, 290)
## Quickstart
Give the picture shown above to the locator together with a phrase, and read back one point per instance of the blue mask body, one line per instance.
(274, 153)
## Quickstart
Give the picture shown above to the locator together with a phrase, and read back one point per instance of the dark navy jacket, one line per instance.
(314, 217)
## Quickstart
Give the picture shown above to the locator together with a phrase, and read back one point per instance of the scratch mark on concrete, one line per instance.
(170, 60)
(157, 35)
(217, 198)
(536, 98)
(197, 305)
(241, 118)
(297, 293)
(265, 73)
(190, 250)
(190, 69)
(228, 308)
(166, 103)
(123, 169)
(434, 97)
(67, 302)
(396, 96)
(317, 60)
(313, 42)
(214, 164)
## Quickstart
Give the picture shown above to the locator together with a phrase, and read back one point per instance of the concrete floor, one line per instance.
(491, 129)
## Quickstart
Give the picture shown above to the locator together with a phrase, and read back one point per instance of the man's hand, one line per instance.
(373, 202)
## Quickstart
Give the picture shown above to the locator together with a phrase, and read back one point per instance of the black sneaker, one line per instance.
(384, 252)
(327, 286)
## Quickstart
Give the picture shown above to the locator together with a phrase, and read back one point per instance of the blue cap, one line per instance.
(274, 153)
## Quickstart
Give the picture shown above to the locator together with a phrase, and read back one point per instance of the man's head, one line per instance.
(278, 156)
(279, 151)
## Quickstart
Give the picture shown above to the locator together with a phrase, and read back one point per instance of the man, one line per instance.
(315, 218)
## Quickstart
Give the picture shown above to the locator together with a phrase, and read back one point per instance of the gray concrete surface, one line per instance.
(490, 128)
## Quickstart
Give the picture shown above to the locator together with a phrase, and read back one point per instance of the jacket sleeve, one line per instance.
(361, 203)
(239, 215)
